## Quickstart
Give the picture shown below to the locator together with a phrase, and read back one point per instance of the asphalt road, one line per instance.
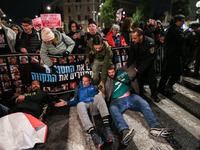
(180, 112)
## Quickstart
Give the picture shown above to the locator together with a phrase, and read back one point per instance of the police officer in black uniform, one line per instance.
(175, 40)
(142, 54)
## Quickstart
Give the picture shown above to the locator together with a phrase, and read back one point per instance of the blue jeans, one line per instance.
(134, 103)
(3, 110)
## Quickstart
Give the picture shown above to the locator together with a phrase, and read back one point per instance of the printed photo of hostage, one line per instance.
(65, 86)
(34, 59)
(5, 77)
(53, 60)
(3, 69)
(12, 60)
(6, 85)
(80, 58)
(71, 59)
(17, 83)
(14, 69)
(46, 89)
(16, 76)
(73, 85)
(55, 43)
(62, 60)
(23, 59)
(2, 61)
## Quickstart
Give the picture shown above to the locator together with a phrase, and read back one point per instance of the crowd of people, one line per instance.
(115, 89)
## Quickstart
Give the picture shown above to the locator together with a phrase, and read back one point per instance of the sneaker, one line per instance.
(97, 140)
(127, 135)
(159, 131)
(108, 135)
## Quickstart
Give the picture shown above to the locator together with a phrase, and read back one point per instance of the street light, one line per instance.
(36, 16)
(10, 20)
(48, 8)
(4, 15)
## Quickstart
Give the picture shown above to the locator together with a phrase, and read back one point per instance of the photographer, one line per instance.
(76, 36)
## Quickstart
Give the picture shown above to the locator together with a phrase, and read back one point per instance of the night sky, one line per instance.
(18, 9)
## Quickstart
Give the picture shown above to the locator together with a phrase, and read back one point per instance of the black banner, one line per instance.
(18, 70)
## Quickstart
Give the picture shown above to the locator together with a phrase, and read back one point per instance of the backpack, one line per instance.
(77, 90)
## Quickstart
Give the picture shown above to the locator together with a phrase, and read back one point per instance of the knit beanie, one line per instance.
(27, 20)
(91, 21)
(47, 35)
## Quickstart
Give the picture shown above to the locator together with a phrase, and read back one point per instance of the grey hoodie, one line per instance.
(65, 44)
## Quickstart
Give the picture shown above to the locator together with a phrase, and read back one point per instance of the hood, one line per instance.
(70, 23)
(57, 34)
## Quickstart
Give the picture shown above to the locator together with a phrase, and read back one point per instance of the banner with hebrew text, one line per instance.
(17, 71)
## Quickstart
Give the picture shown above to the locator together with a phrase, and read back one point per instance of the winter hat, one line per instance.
(91, 21)
(27, 20)
(47, 35)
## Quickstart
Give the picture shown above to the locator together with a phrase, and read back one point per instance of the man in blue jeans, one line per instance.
(120, 98)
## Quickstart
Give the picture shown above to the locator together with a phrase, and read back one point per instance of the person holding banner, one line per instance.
(55, 43)
(102, 54)
(87, 96)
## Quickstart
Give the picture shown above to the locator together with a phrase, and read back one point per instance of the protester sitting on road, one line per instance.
(102, 54)
(55, 43)
(126, 29)
(29, 41)
(86, 97)
(30, 103)
(114, 38)
(120, 98)
(9, 38)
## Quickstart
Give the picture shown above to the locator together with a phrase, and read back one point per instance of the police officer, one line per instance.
(175, 39)
(142, 54)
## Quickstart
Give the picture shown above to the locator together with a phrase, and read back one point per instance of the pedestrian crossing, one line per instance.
(180, 112)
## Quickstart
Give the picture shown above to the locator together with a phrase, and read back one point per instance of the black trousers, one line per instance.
(149, 77)
(172, 72)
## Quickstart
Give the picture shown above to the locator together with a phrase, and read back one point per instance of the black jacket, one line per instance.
(31, 42)
(175, 40)
(33, 102)
(142, 54)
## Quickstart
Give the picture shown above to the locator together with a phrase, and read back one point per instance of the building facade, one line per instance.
(82, 10)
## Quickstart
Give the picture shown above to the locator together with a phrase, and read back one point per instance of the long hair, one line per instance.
(127, 23)
(55, 41)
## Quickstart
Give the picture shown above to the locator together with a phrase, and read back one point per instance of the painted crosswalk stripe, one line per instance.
(187, 92)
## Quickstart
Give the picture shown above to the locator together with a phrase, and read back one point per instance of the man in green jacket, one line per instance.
(100, 51)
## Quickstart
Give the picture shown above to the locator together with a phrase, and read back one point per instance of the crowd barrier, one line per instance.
(18, 70)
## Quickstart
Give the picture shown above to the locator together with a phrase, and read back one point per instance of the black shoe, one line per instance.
(108, 135)
(170, 90)
(127, 135)
(156, 98)
(97, 140)
(159, 131)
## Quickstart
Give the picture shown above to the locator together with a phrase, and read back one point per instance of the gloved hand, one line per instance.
(65, 54)
(101, 85)
(87, 61)
(54, 69)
